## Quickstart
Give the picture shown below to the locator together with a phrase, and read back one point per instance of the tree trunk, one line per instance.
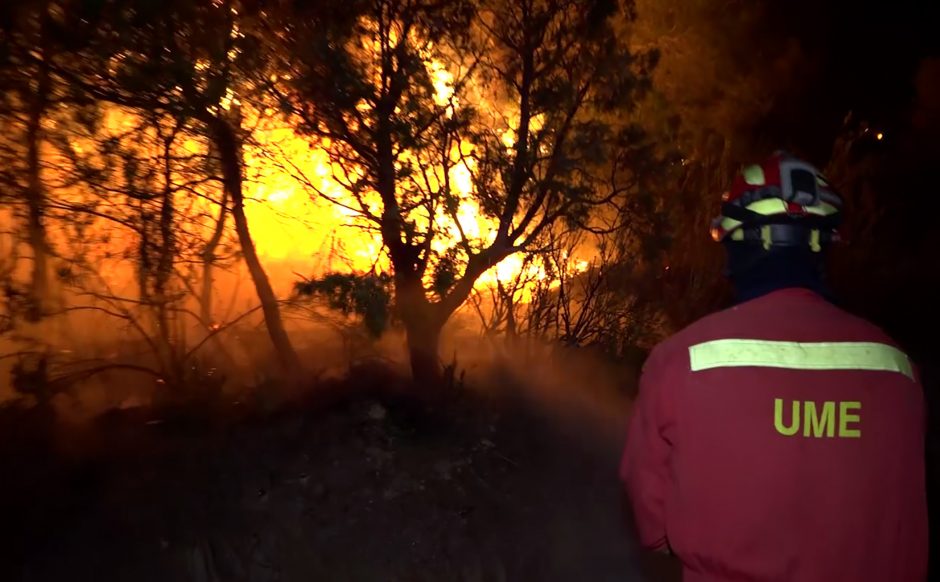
(208, 263)
(229, 147)
(205, 292)
(424, 321)
(164, 270)
(424, 336)
(35, 197)
(423, 332)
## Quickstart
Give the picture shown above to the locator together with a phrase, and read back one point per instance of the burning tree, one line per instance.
(190, 61)
(463, 132)
(134, 191)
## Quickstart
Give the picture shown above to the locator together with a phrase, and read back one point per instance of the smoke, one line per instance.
(97, 359)
(581, 390)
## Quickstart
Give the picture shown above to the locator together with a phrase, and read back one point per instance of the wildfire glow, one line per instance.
(291, 225)
(294, 225)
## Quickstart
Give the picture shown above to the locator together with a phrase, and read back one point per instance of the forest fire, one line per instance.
(294, 224)
(299, 290)
(146, 213)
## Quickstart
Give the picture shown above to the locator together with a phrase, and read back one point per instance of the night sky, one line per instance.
(858, 55)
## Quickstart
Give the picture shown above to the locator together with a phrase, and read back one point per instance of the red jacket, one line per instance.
(781, 440)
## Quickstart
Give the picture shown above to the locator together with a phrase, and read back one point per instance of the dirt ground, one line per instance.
(366, 490)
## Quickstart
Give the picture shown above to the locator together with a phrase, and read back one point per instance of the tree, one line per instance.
(366, 296)
(189, 60)
(525, 99)
(131, 193)
(725, 70)
(565, 296)
(210, 257)
(27, 46)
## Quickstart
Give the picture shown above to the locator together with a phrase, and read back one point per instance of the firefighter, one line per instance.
(782, 439)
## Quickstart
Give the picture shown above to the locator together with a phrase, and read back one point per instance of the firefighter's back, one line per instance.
(798, 447)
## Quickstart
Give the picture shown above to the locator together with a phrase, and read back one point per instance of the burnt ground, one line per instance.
(365, 490)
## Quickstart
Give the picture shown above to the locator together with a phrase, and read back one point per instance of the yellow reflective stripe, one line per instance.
(814, 241)
(768, 206)
(734, 353)
(766, 237)
(822, 209)
(771, 206)
(754, 175)
(729, 224)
